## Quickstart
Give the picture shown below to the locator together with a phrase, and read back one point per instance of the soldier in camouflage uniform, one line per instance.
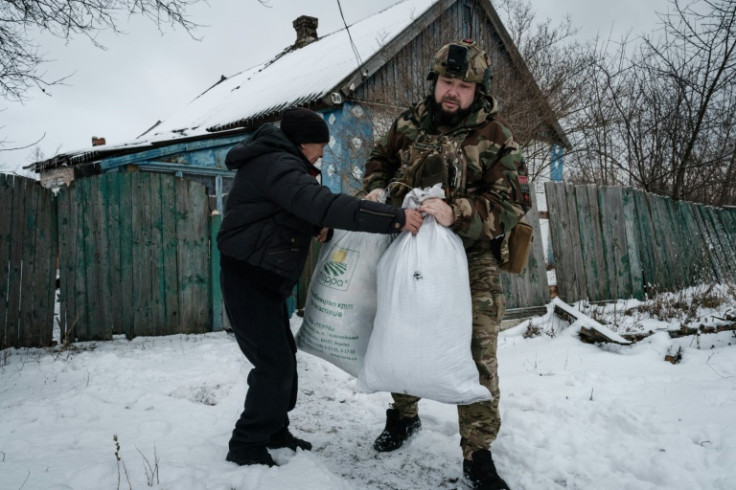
(455, 137)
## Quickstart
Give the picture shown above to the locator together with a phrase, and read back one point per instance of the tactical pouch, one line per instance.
(519, 246)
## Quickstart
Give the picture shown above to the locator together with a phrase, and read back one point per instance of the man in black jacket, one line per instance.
(273, 210)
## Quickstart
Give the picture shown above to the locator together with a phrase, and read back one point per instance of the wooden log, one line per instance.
(590, 330)
(674, 355)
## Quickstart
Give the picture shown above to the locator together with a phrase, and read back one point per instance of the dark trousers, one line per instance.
(260, 322)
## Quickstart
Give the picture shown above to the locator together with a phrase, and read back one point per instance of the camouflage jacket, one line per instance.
(477, 161)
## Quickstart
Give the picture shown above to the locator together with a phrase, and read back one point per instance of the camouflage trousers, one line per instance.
(479, 422)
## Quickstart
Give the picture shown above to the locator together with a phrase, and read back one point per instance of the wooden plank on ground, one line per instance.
(590, 329)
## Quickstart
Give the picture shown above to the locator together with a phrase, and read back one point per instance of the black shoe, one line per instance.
(251, 456)
(481, 472)
(284, 438)
(397, 430)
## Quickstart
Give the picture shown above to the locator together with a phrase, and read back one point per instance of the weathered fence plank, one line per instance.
(565, 233)
(709, 259)
(723, 248)
(615, 248)
(530, 288)
(141, 275)
(123, 187)
(646, 239)
(6, 228)
(171, 318)
(15, 266)
(193, 236)
(711, 244)
(112, 230)
(661, 243)
(688, 235)
(27, 263)
(586, 198)
(632, 244)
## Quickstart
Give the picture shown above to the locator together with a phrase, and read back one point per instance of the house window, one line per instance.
(467, 14)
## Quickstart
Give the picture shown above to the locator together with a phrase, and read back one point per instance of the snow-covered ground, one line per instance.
(575, 415)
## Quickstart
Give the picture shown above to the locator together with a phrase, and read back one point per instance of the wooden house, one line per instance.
(358, 78)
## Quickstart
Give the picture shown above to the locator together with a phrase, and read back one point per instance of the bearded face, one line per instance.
(453, 98)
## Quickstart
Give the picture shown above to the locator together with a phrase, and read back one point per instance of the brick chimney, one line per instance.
(97, 141)
(306, 30)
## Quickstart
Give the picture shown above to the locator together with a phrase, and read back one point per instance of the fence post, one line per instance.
(215, 221)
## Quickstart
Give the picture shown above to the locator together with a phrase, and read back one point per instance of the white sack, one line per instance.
(421, 337)
(341, 301)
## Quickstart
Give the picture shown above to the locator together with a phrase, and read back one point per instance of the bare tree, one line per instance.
(560, 68)
(698, 56)
(21, 57)
(662, 112)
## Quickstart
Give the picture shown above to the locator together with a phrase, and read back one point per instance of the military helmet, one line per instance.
(464, 60)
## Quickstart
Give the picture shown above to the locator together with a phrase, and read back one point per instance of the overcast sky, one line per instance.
(144, 75)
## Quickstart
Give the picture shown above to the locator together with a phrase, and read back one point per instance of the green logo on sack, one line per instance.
(338, 270)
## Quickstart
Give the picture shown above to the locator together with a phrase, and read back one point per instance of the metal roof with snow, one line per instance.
(297, 76)
(324, 72)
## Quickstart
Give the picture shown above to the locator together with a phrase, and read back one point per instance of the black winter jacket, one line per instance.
(276, 205)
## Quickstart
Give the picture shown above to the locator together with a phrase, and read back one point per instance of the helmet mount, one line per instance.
(464, 60)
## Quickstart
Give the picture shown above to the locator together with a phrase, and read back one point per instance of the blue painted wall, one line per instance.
(556, 163)
(351, 139)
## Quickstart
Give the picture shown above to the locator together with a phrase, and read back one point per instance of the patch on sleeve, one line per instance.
(524, 187)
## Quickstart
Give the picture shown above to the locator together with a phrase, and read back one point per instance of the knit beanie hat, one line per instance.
(304, 126)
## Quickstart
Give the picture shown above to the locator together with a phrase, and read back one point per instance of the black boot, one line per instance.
(481, 472)
(251, 456)
(397, 430)
(284, 438)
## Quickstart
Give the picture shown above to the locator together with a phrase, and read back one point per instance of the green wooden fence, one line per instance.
(614, 242)
(27, 262)
(134, 257)
(133, 251)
